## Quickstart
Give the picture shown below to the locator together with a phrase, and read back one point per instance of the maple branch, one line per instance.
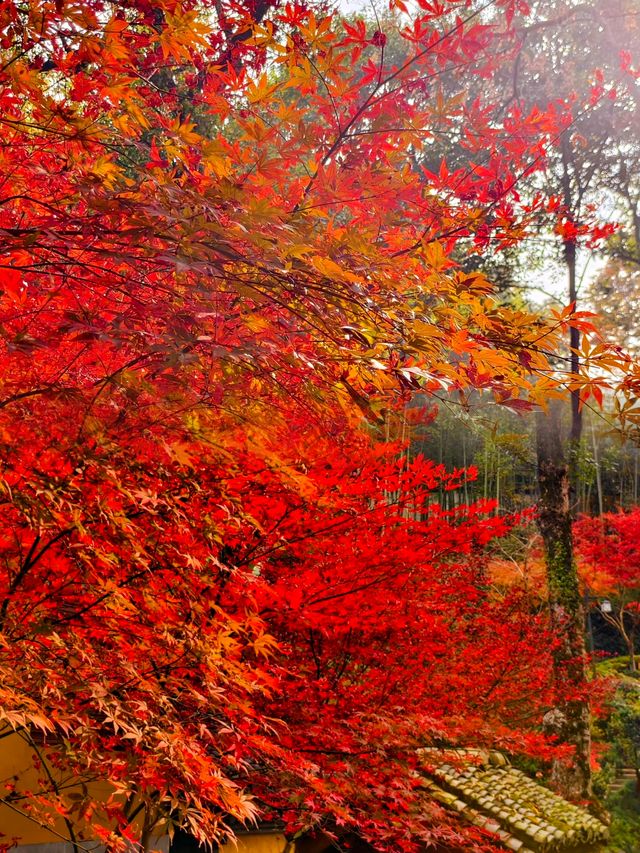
(350, 752)
(22, 395)
(27, 563)
(370, 98)
(314, 653)
(71, 617)
(6, 801)
(405, 501)
(503, 194)
(98, 383)
(54, 785)
(32, 200)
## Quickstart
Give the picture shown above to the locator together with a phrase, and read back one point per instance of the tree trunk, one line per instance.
(596, 461)
(570, 259)
(631, 644)
(569, 720)
(558, 467)
(183, 842)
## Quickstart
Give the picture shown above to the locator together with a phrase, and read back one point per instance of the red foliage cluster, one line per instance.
(175, 601)
(609, 548)
(217, 594)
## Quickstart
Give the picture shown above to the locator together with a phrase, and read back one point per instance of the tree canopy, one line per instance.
(224, 270)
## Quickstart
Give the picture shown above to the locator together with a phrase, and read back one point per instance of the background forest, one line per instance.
(595, 172)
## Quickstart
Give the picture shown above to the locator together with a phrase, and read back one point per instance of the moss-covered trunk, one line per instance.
(569, 720)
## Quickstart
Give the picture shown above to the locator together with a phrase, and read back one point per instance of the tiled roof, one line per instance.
(523, 815)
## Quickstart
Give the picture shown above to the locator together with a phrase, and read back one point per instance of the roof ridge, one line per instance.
(503, 799)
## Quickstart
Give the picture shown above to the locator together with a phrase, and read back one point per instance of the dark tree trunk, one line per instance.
(183, 842)
(570, 259)
(558, 455)
(569, 720)
(631, 646)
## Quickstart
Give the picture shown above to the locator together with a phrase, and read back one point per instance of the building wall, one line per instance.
(20, 779)
(18, 763)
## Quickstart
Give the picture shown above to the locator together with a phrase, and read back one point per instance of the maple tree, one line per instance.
(218, 260)
(608, 550)
(146, 651)
(398, 649)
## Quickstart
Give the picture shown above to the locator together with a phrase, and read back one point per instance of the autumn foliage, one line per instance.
(608, 549)
(222, 254)
(198, 596)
